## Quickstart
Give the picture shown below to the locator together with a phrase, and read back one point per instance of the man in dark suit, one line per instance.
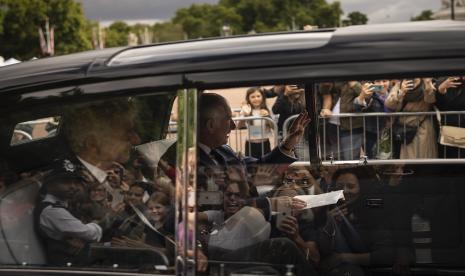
(215, 126)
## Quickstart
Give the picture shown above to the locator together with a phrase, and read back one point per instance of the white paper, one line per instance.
(322, 199)
(154, 150)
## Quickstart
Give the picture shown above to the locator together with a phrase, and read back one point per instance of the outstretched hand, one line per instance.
(296, 131)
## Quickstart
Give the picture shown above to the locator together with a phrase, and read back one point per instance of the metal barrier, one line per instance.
(334, 153)
(238, 137)
(356, 139)
(237, 143)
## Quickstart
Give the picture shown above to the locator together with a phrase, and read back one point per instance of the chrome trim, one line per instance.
(63, 271)
(186, 176)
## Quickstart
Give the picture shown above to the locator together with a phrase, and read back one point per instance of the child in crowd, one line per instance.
(258, 143)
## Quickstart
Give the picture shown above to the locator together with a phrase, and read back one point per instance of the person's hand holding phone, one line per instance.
(366, 92)
(339, 211)
(450, 82)
(290, 226)
(406, 85)
(291, 90)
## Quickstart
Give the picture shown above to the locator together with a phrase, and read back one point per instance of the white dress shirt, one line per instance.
(101, 176)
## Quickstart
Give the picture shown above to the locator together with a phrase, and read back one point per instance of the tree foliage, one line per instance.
(245, 16)
(424, 15)
(22, 18)
(356, 18)
(167, 31)
(117, 34)
(205, 20)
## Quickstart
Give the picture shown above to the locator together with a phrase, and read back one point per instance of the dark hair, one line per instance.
(363, 174)
(141, 184)
(252, 90)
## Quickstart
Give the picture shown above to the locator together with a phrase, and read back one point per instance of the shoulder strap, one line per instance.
(404, 103)
(438, 115)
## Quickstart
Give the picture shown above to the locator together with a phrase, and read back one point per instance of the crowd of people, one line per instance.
(377, 137)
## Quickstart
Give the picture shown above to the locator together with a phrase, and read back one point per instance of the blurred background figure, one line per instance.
(451, 97)
(371, 99)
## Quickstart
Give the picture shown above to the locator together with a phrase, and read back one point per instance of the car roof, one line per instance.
(412, 40)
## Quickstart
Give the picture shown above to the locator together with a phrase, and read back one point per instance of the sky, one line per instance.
(378, 11)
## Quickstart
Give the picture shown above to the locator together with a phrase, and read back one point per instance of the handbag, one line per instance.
(450, 135)
(404, 133)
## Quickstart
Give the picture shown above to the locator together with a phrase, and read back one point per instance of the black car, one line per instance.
(103, 172)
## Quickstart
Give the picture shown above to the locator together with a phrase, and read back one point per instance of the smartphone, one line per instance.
(284, 210)
(210, 198)
(376, 88)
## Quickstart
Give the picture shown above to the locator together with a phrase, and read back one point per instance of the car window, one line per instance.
(391, 119)
(379, 201)
(242, 157)
(36, 129)
(98, 194)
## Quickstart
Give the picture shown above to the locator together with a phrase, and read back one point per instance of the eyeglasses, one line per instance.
(134, 194)
(229, 194)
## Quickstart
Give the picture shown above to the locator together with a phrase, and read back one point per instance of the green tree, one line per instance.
(117, 34)
(424, 15)
(22, 18)
(356, 18)
(205, 20)
(3, 8)
(167, 31)
(280, 15)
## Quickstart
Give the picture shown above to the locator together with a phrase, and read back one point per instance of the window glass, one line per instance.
(391, 214)
(36, 129)
(392, 119)
(262, 117)
(98, 195)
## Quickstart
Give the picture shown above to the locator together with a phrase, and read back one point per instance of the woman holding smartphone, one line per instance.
(414, 95)
(371, 99)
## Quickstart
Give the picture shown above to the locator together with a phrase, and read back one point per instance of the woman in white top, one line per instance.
(258, 142)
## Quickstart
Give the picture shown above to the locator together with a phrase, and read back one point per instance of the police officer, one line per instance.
(65, 237)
